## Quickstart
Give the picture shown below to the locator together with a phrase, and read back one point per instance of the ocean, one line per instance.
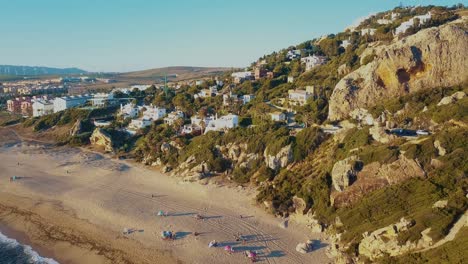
(12, 252)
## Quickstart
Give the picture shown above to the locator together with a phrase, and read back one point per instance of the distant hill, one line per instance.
(12, 70)
(175, 73)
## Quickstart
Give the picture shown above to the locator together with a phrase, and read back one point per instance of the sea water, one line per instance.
(12, 252)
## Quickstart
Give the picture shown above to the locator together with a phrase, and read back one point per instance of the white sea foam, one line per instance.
(28, 251)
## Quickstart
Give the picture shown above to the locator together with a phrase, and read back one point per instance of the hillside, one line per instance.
(177, 73)
(11, 70)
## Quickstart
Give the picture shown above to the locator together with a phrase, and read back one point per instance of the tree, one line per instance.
(331, 47)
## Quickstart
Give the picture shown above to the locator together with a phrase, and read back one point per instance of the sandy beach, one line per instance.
(73, 205)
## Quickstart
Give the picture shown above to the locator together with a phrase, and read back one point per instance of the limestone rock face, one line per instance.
(101, 138)
(400, 170)
(384, 241)
(375, 176)
(433, 57)
(344, 173)
(282, 159)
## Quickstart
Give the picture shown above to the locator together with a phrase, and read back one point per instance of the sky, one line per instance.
(130, 35)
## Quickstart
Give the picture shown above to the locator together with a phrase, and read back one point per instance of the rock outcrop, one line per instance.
(344, 173)
(452, 98)
(384, 241)
(441, 151)
(431, 58)
(192, 171)
(378, 134)
(375, 176)
(282, 159)
(103, 139)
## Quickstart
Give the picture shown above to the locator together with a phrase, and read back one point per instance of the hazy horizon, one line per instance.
(121, 36)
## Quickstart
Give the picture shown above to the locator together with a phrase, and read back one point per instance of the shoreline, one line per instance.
(102, 195)
(55, 232)
(24, 240)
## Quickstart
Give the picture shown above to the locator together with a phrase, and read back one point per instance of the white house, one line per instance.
(154, 113)
(140, 123)
(410, 23)
(199, 82)
(300, 97)
(213, 90)
(313, 61)
(293, 54)
(223, 123)
(42, 107)
(345, 43)
(128, 110)
(171, 118)
(290, 79)
(246, 98)
(140, 87)
(100, 99)
(191, 129)
(278, 116)
(197, 121)
(241, 76)
(66, 102)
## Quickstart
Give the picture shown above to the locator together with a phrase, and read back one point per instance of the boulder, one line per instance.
(435, 163)
(299, 204)
(103, 139)
(303, 248)
(452, 98)
(344, 173)
(431, 58)
(440, 204)
(441, 151)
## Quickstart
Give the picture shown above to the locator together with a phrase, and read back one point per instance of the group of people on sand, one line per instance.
(252, 255)
(170, 235)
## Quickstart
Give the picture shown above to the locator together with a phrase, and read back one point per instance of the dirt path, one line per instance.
(462, 222)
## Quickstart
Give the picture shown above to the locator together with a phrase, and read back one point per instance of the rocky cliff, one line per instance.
(434, 57)
(102, 139)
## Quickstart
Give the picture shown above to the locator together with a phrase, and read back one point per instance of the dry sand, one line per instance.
(79, 216)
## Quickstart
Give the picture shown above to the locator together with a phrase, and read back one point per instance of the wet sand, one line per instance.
(82, 213)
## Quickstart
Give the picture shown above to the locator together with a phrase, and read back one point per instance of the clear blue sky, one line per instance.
(124, 35)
